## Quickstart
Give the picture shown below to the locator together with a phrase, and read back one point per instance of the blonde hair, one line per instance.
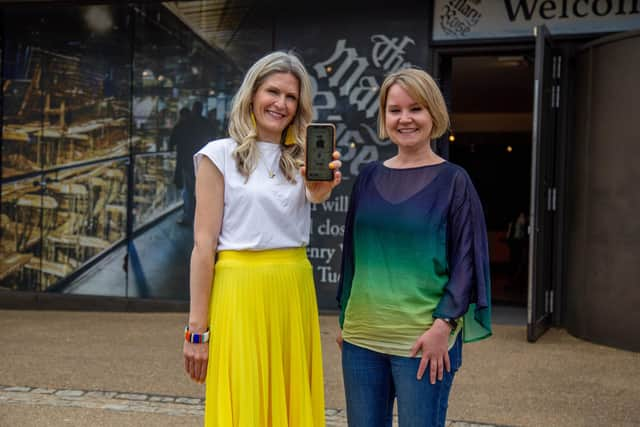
(243, 131)
(422, 89)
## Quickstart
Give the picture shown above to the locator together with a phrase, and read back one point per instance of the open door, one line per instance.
(543, 192)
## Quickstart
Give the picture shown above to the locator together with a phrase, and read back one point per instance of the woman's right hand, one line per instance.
(339, 339)
(434, 347)
(196, 357)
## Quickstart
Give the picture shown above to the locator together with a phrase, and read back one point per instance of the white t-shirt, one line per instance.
(261, 213)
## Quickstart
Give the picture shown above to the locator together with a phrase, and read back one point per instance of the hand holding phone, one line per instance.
(321, 143)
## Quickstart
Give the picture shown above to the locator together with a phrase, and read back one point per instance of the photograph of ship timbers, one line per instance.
(91, 93)
(51, 228)
(60, 206)
(57, 115)
(86, 115)
(154, 190)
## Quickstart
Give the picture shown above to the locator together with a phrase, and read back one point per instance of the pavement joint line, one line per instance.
(102, 399)
(144, 402)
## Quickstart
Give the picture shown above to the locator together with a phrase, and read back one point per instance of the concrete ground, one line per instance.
(112, 369)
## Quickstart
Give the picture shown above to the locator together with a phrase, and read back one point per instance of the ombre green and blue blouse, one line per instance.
(415, 249)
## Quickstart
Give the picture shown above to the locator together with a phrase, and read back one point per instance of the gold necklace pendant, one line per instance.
(270, 172)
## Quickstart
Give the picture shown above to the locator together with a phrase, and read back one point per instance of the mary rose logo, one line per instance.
(459, 16)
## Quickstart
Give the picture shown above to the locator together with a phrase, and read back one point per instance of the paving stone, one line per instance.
(116, 407)
(102, 394)
(132, 396)
(467, 424)
(18, 389)
(163, 399)
(43, 390)
(69, 393)
(188, 401)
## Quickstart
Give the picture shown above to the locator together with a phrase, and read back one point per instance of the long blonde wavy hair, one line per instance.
(241, 128)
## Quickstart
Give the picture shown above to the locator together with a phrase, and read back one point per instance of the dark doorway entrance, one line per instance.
(491, 103)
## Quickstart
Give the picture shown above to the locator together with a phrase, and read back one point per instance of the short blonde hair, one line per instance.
(422, 89)
(241, 127)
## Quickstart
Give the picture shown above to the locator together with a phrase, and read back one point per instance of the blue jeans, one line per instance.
(373, 380)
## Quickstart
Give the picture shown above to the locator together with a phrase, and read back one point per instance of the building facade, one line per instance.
(542, 97)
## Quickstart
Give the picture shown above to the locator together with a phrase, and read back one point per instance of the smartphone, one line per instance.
(321, 143)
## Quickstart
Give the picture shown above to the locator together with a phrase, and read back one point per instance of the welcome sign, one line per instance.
(483, 19)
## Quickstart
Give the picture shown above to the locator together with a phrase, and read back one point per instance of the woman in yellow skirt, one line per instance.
(253, 334)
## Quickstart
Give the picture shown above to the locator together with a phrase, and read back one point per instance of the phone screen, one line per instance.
(320, 148)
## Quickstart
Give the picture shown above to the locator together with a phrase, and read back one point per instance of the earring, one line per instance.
(288, 137)
(253, 121)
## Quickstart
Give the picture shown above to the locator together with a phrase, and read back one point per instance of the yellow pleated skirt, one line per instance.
(265, 356)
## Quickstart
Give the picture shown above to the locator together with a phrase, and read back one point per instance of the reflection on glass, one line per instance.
(47, 234)
(172, 69)
(91, 215)
(88, 84)
(154, 190)
(21, 231)
(65, 88)
(20, 152)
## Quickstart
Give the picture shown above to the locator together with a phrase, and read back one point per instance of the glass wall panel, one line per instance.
(78, 213)
(93, 205)
(66, 86)
(90, 96)
(172, 69)
(83, 83)
(66, 103)
(154, 191)
(91, 213)
(22, 217)
(22, 102)
(155, 90)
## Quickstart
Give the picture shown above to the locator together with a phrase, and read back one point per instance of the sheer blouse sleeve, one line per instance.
(468, 292)
(348, 255)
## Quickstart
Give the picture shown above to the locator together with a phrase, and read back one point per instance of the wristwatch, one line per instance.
(453, 323)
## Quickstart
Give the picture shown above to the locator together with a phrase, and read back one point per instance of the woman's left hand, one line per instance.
(434, 344)
(319, 191)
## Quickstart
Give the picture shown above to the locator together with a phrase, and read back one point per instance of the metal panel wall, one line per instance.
(603, 228)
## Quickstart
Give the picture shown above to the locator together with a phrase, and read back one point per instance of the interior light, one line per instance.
(511, 58)
(98, 18)
(509, 149)
(452, 138)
